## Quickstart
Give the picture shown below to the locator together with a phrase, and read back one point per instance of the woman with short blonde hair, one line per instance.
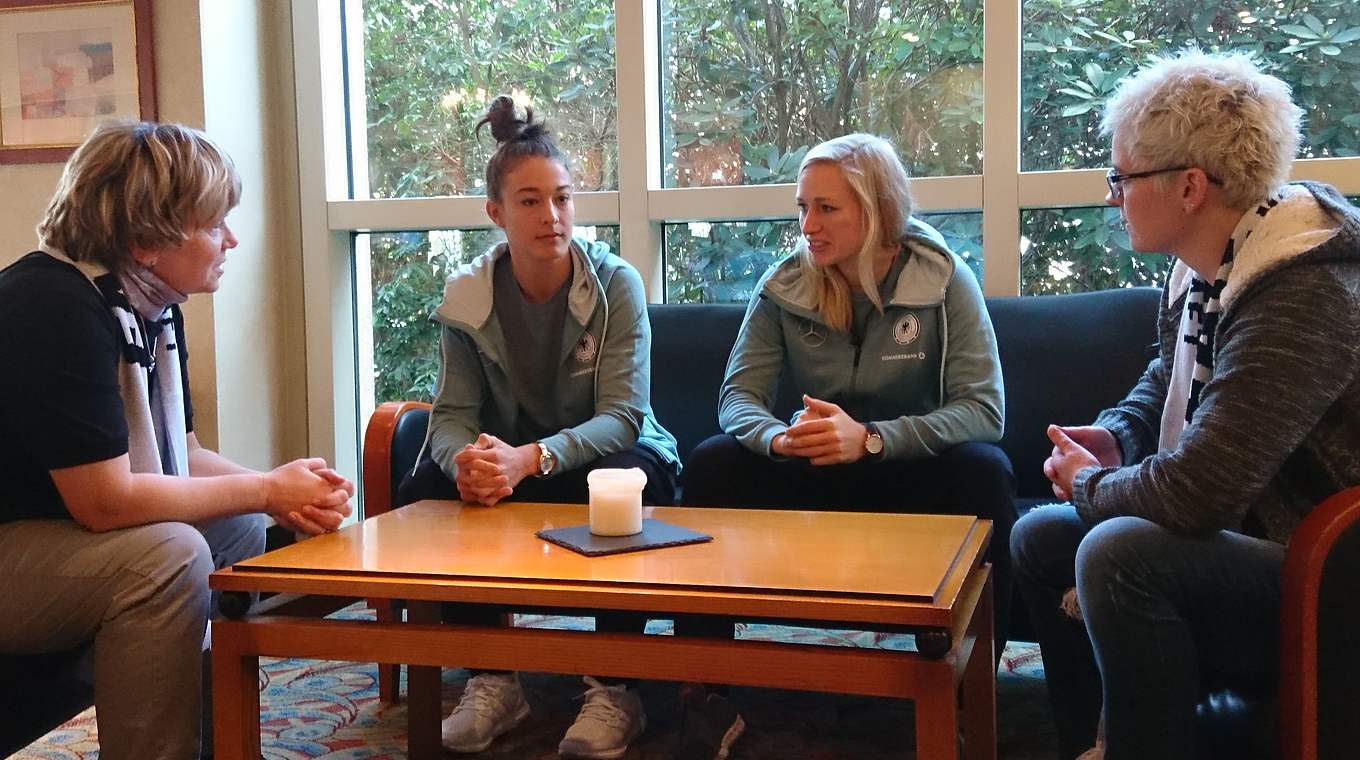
(1181, 498)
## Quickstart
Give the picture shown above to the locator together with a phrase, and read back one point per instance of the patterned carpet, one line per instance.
(330, 710)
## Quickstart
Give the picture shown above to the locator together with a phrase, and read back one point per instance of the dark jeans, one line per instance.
(1161, 611)
(969, 479)
(427, 481)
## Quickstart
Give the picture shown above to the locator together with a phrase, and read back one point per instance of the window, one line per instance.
(748, 87)
(1073, 250)
(686, 120)
(431, 67)
(1075, 51)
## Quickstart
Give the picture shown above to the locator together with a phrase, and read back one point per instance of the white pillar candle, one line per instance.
(616, 501)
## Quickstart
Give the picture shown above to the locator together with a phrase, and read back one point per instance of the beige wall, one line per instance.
(258, 330)
(228, 71)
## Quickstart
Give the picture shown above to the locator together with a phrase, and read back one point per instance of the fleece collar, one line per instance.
(1298, 223)
(468, 293)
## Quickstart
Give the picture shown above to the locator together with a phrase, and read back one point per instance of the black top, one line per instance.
(59, 399)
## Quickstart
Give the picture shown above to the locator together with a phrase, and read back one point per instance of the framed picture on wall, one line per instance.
(66, 66)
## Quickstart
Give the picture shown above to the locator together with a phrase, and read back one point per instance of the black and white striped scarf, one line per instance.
(157, 435)
(1194, 362)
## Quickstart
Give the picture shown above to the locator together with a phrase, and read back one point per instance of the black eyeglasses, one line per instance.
(1116, 181)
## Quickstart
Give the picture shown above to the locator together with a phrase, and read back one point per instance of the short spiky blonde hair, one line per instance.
(880, 182)
(138, 184)
(1216, 112)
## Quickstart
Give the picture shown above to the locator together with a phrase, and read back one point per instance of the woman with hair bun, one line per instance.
(546, 354)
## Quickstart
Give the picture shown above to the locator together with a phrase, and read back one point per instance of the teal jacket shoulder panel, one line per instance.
(604, 380)
(927, 371)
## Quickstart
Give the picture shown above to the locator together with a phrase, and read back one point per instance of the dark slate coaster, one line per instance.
(655, 535)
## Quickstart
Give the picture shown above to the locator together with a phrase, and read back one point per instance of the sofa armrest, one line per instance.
(1332, 524)
(378, 471)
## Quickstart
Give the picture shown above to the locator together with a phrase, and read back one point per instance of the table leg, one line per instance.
(422, 695)
(937, 722)
(236, 694)
(389, 675)
(979, 685)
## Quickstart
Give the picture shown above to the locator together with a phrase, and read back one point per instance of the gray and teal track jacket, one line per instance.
(926, 371)
(1277, 428)
(604, 378)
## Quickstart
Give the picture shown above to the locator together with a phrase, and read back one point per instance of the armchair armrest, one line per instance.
(378, 475)
(1305, 561)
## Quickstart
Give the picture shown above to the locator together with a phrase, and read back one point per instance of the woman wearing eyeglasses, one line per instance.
(1182, 496)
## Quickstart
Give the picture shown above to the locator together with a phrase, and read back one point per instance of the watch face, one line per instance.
(874, 443)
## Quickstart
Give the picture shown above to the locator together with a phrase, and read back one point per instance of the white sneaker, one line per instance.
(492, 703)
(611, 718)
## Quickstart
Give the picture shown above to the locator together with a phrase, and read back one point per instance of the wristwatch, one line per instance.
(546, 461)
(873, 442)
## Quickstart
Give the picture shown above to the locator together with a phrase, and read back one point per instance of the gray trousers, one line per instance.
(141, 596)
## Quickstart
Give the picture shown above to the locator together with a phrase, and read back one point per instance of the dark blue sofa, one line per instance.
(1064, 358)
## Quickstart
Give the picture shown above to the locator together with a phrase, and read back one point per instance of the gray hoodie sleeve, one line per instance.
(1285, 352)
(752, 377)
(623, 385)
(973, 407)
(455, 418)
(1136, 421)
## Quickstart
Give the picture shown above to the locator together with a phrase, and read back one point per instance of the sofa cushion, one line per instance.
(1064, 359)
(690, 344)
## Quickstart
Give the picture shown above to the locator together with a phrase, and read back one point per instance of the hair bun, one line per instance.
(503, 116)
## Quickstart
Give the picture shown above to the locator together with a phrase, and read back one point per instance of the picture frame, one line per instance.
(66, 66)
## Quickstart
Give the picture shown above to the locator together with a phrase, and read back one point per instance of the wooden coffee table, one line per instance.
(921, 574)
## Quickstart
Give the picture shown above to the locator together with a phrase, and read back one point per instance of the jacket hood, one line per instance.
(469, 290)
(923, 281)
(1308, 215)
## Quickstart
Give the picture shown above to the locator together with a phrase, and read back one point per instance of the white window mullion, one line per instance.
(323, 173)
(450, 212)
(736, 203)
(1343, 173)
(638, 72)
(359, 185)
(1001, 147)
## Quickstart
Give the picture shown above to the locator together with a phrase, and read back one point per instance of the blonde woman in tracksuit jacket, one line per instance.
(885, 334)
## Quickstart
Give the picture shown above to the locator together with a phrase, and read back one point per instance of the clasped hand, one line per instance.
(306, 496)
(489, 469)
(824, 434)
(1075, 448)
